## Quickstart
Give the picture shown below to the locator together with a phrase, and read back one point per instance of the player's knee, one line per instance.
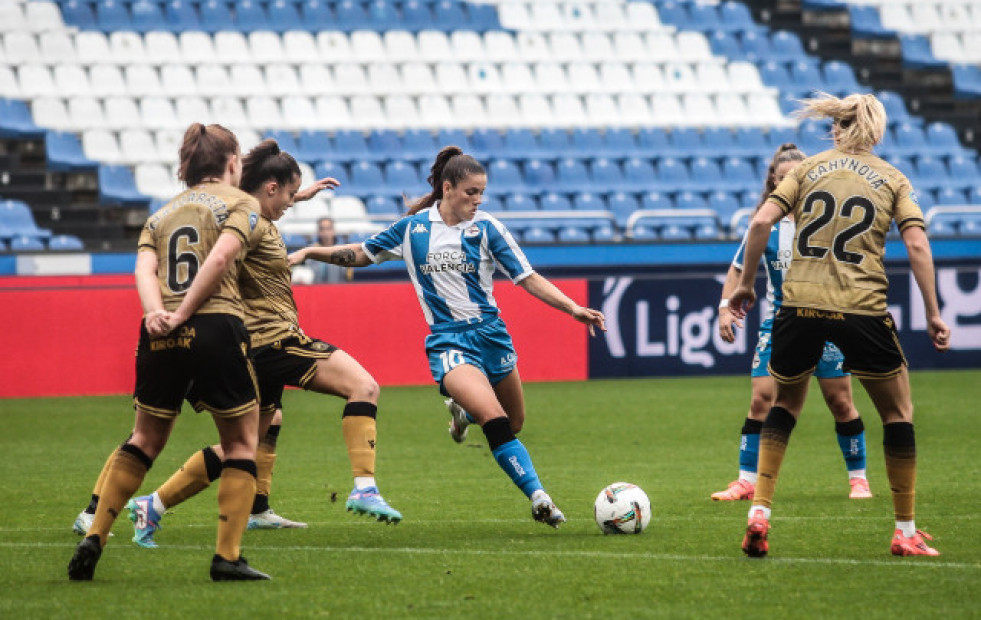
(759, 405)
(841, 407)
(367, 389)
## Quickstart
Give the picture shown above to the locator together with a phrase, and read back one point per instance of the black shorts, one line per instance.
(205, 360)
(869, 343)
(292, 361)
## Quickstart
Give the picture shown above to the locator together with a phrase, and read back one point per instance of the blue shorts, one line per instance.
(488, 348)
(829, 367)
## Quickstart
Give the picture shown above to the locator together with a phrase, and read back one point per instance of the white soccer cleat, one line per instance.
(269, 520)
(83, 522)
(544, 509)
(459, 424)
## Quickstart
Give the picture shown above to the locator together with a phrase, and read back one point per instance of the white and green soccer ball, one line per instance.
(622, 508)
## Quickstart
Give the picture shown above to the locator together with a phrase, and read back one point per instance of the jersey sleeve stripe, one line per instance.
(911, 221)
(785, 206)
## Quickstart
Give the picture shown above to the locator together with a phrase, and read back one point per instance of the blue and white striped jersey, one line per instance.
(776, 258)
(452, 267)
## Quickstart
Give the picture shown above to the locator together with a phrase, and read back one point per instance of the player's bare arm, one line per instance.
(544, 290)
(350, 255)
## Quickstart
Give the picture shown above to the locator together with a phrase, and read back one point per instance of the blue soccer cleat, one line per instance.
(145, 520)
(369, 501)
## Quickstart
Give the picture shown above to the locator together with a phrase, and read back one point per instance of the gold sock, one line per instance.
(359, 435)
(123, 479)
(101, 480)
(236, 490)
(773, 445)
(265, 458)
(899, 448)
(188, 481)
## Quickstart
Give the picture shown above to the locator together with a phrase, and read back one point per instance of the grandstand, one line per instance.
(600, 121)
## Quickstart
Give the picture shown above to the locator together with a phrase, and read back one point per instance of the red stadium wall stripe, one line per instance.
(77, 335)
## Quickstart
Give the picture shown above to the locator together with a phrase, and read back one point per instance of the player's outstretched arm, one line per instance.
(350, 255)
(544, 290)
(315, 188)
(744, 296)
(921, 263)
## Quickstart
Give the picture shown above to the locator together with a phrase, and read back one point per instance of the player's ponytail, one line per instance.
(787, 151)
(451, 165)
(859, 120)
(205, 152)
(266, 162)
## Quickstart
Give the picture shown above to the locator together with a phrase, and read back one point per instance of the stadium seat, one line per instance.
(951, 197)
(16, 121)
(538, 236)
(672, 176)
(538, 175)
(26, 243)
(16, 219)
(504, 176)
(403, 179)
(942, 139)
(638, 174)
(419, 145)
(146, 15)
(840, 79)
(656, 200)
(517, 201)
(555, 202)
(382, 205)
(572, 176)
(572, 234)
(623, 205)
(64, 153)
(786, 46)
(588, 201)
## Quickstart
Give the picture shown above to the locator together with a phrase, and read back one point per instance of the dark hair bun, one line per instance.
(787, 146)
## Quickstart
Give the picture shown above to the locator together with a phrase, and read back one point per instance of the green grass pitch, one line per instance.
(468, 547)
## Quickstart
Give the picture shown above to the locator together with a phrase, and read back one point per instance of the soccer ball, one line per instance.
(622, 508)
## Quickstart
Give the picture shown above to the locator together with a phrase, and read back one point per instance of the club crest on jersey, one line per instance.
(420, 228)
(912, 196)
(473, 231)
(253, 220)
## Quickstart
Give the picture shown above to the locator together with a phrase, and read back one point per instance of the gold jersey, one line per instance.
(265, 282)
(184, 231)
(843, 205)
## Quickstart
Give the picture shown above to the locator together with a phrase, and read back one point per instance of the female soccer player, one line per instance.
(451, 251)
(844, 201)
(835, 383)
(283, 355)
(193, 343)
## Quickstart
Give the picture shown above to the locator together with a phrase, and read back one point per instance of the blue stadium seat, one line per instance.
(351, 16)
(689, 200)
(687, 142)
(571, 176)
(623, 205)
(910, 139)
(553, 201)
(806, 76)
(786, 46)
(26, 243)
(487, 143)
(504, 176)
(903, 164)
(720, 142)
(866, 23)
(726, 45)
(16, 219)
(735, 17)
(64, 151)
(117, 187)
(317, 15)
(285, 139)
(449, 16)
(707, 170)
(555, 143)
(964, 171)
(588, 201)
(604, 233)
(652, 142)
(351, 145)
(78, 13)
(520, 202)
(778, 136)
(336, 170)
(950, 197)
(656, 200)
(918, 54)
(483, 17)
(673, 232)
(813, 136)
(643, 232)
(402, 178)
(539, 175)
(416, 15)
(776, 75)
(111, 16)
(367, 179)
(638, 174)
(840, 79)
(587, 142)
(940, 227)
(931, 173)
(970, 227)
(386, 144)
(967, 81)
(384, 16)
(457, 137)
(295, 241)
(215, 16)
(707, 231)
(943, 139)
(180, 16)
(283, 16)
(520, 143)
(739, 175)
(538, 235)
(672, 175)
(382, 205)
(146, 16)
(674, 14)
(573, 234)
(606, 175)
(756, 46)
(618, 143)
(894, 105)
(250, 16)
(314, 146)
(419, 145)
(65, 243)
(705, 18)
(491, 203)
(725, 205)
(750, 142)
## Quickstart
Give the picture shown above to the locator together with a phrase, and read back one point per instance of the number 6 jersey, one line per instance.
(184, 231)
(843, 205)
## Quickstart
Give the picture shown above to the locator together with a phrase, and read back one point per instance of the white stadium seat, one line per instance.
(231, 47)
(122, 113)
(107, 80)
